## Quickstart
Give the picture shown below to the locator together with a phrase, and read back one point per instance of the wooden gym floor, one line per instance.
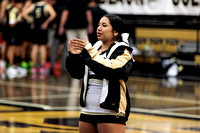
(52, 105)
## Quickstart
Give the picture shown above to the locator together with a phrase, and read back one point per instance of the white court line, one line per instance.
(168, 99)
(45, 107)
(182, 109)
(136, 110)
(166, 113)
(25, 104)
(43, 97)
(156, 80)
(41, 106)
(132, 96)
(36, 86)
(39, 86)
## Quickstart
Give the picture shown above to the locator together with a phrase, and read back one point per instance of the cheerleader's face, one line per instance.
(105, 31)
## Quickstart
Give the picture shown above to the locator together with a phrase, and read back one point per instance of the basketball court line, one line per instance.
(166, 99)
(54, 96)
(25, 104)
(74, 92)
(36, 85)
(165, 113)
(182, 109)
(138, 96)
(136, 110)
(52, 87)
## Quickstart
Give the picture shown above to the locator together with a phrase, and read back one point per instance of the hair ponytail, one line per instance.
(117, 25)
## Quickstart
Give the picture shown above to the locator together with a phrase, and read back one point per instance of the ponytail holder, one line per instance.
(125, 37)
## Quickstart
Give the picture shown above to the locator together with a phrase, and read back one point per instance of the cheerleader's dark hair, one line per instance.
(117, 25)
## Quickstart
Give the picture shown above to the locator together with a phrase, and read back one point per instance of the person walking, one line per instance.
(105, 68)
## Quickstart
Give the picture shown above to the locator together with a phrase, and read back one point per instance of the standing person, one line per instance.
(43, 14)
(105, 68)
(76, 22)
(3, 4)
(26, 42)
(14, 40)
(76, 19)
(57, 40)
(97, 13)
(3, 44)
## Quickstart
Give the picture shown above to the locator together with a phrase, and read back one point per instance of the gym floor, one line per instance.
(159, 105)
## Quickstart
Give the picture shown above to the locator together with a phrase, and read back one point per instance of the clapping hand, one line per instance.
(77, 45)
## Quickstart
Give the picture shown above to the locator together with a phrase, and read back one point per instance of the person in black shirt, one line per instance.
(76, 19)
(97, 13)
(57, 39)
(43, 14)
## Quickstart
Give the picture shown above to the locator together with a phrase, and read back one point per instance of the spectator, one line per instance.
(43, 14)
(14, 40)
(26, 42)
(56, 68)
(3, 44)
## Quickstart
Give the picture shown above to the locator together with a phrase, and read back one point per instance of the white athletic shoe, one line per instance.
(11, 72)
(172, 71)
(21, 72)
